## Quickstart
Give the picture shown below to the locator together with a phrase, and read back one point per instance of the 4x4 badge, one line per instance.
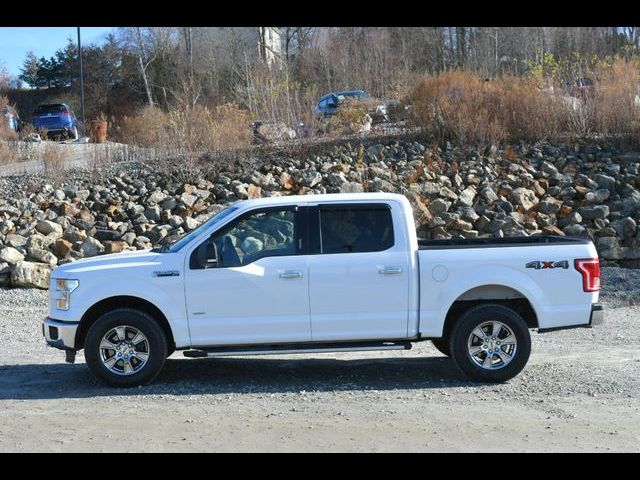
(547, 264)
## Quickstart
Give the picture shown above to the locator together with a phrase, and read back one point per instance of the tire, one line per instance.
(120, 328)
(73, 135)
(442, 345)
(509, 351)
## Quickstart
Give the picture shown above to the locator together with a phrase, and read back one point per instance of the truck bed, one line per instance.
(493, 242)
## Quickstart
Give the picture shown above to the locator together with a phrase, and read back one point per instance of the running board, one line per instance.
(295, 348)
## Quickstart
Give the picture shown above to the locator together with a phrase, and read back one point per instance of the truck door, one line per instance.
(248, 283)
(358, 274)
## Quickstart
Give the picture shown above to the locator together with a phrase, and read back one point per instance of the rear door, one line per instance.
(358, 272)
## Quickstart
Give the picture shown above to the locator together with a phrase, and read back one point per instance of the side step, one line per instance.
(229, 351)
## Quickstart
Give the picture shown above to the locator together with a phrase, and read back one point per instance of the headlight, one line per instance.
(63, 292)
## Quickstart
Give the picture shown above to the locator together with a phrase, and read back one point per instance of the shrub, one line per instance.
(350, 117)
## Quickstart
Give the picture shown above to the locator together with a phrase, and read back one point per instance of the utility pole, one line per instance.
(81, 82)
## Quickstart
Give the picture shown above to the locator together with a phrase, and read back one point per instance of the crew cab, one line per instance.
(321, 273)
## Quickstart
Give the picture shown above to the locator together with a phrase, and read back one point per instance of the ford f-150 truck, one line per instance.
(321, 273)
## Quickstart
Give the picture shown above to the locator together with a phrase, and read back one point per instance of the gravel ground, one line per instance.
(579, 392)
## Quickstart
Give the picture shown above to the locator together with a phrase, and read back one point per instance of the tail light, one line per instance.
(590, 270)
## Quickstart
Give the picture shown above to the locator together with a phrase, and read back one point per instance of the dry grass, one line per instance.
(8, 153)
(463, 107)
(54, 157)
(187, 131)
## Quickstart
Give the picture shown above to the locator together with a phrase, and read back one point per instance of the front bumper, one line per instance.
(61, 335)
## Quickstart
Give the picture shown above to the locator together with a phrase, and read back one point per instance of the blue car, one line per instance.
(328, 104)
(58, 119)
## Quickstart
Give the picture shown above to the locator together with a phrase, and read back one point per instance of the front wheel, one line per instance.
(125, 348)
(442, 345)
(490, 343)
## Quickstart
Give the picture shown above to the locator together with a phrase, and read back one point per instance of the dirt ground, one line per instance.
(579, 392)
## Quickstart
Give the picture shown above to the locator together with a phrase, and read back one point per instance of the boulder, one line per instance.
(29, 274)
(10, 255)
(91, 247)
(46, 227)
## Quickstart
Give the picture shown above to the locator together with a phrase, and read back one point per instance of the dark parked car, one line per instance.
(11, 118)
(329, 103)
(58, 119)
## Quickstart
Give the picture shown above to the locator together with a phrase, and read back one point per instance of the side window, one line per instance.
(262, 234)
(355, 229)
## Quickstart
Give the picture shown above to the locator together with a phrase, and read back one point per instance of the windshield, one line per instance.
(217, 218)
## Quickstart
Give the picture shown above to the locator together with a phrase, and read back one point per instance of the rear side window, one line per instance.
(355, 229)
(51, 109)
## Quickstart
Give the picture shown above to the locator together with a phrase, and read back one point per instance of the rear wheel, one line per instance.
(125, 348)
(490, 343)
(73, 133)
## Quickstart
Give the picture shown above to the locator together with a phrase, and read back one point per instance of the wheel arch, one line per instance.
(122, 301)
(490, 294)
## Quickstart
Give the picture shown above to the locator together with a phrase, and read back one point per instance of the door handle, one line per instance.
(290, 274)
(390, 270)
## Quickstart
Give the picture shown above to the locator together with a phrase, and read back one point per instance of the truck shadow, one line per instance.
(238, 376)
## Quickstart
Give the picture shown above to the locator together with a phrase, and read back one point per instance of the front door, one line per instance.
(248, 283)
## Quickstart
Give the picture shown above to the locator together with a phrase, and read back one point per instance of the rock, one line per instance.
(552, 230)
(156, 197)
(152, 213)
(43, 256)
(439, 206)
(273, 131)
(598, 196)
(11, 211)
(62, 248)
(29, 274)
(103, 235)
(10, 255)
(549, 205)
(549, 169)
(5, 275)
(46, 227)
(14, 240)
(129, 237)
(351, 187)
(458, 224)
(525, 198)
(168, 203)
(310, 178)
(467, 196)
(574, 230)
(489, 195)
(115, 247)
(188, 199)
(190, 223)
(591, 213)
(254, 191)
(91, 247)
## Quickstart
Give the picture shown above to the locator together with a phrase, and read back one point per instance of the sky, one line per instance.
(15, 42)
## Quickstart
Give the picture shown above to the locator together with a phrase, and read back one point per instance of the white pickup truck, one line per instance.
(321, 273)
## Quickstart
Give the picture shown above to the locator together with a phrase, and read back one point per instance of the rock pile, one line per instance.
(585, 190)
